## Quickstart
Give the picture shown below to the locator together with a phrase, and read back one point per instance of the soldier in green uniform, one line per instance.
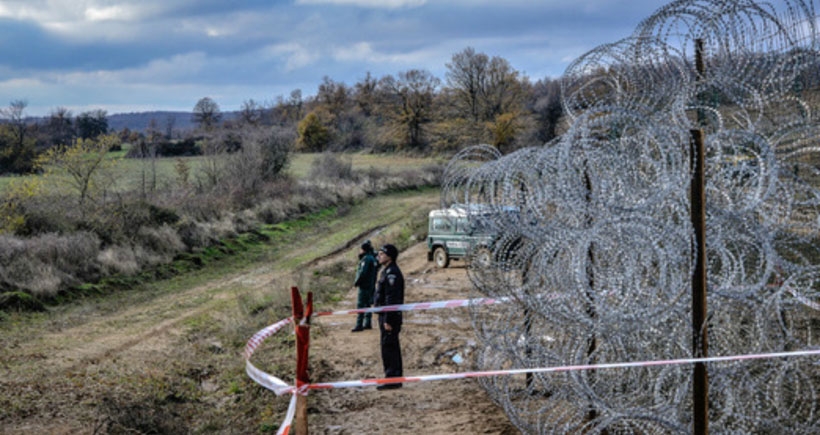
(366, 283)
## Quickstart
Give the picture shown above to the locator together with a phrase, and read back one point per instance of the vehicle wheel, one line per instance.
(441, 258)
(482, 257)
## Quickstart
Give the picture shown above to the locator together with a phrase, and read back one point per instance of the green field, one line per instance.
(130, 173)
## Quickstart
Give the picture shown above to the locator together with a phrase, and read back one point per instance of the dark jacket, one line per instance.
(390, 291)
(366, 273)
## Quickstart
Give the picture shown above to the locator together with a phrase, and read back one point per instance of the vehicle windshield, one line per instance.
(478, 224)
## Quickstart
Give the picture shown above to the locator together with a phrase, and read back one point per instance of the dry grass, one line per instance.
(134, 234)
(301, 163)
(166, 358)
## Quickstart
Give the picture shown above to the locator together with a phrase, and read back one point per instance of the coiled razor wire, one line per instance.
(594, 243)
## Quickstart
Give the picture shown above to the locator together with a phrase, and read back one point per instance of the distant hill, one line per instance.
(140, 121)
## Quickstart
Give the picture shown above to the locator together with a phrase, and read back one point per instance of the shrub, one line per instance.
(125, 221)
(33, 276)
(271, 211)
(73, 255)
(204, 206)
(44, 213)
(163, 241)
(10, 247)
(19, 301)
(194, 234)
(46, 264)
(264, 154)
(148, 258)
(313, 133)
(245, 221)
(185, 147)
(197, 235)
(118, 259)
(331, 166)
(42, 220)
(13, 201)
(161, 215)
(276, 145)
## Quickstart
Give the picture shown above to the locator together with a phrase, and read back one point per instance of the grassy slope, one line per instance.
(165, 355)
(130, 172)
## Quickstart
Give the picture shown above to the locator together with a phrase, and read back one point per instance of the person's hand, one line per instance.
(387, 327)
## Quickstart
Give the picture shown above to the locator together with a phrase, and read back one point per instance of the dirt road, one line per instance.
(169, 360)
(431, 343)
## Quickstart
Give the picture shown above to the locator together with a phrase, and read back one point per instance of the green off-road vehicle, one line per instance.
(456, 233)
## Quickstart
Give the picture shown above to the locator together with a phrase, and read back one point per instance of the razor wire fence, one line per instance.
(594, 243)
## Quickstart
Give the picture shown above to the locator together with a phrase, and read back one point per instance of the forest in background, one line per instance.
(481, 99)
(81, 211)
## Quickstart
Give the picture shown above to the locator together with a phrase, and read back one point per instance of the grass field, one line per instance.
(130, 173)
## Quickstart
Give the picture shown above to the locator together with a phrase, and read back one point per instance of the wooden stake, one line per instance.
(700, 343)
(301, 323)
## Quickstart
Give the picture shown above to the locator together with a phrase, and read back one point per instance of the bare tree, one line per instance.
(295, 106)
(412, 97)
(15, 115)
(170, 121)
(60, 127)
(334, 96)
(365, 95)
(483, 87)
(503, 90)
(545, 103)
(466, 76)
(251, 113)
(16, 149)
(206, 113)
(149, 146)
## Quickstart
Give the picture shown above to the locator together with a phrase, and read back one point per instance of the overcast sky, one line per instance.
(141, 55)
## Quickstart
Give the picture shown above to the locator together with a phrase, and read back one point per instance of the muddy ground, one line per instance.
(169, 361)
(432, 341)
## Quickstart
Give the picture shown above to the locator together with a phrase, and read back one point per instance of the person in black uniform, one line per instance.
(390, 291)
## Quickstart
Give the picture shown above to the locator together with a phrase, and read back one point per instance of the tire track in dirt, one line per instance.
(356, 240)
(119, 345)
(92, 341)
(137, 336)
(74, 348)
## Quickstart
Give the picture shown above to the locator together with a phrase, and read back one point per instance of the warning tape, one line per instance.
(266, 380)
(284, 428)
(455, 303)
(280, 387)
(481, 374)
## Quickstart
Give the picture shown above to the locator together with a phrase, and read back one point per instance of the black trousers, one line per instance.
(391, 351)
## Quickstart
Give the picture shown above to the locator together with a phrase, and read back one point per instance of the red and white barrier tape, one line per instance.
(464, 375)
(280, 387)
(284, 428)
(456, 303)
(266, 380)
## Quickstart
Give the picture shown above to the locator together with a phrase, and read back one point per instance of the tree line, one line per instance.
(482, 99)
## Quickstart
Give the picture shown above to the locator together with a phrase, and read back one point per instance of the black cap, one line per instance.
(367, 246)
(390, 250)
